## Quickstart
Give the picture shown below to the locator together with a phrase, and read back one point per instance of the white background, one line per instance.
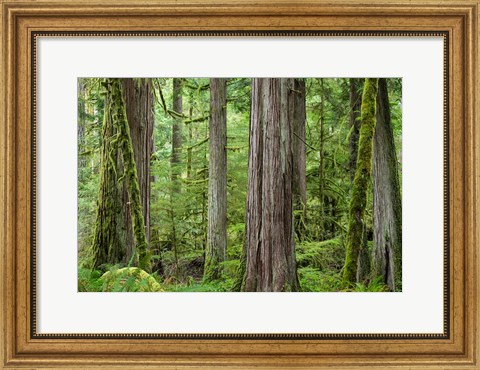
(418, 309)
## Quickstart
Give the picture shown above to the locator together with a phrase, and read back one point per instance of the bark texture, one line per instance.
(363, 174)
(270, 249)
(138, 95)
(81, 112)
(215, 252)
(108, 245)
(387, 202)
(299, 158)
(108, 242)
(176, 132)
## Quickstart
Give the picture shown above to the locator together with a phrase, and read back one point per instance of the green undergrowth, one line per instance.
(375, 285)
(126, 279)
(319, 267)
(129, 279)
(89, 281)
(325, 255)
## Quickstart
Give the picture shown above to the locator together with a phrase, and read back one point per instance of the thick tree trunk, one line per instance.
(108, 245)
(355, 112)
(270, 248)
(363, 173)
(299, 158)
(176, 132)
(217, 181)
(387, 203)
(138, 95)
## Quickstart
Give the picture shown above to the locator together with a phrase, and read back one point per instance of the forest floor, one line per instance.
(319, 267)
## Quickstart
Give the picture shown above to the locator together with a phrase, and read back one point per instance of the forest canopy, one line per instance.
(239, 184)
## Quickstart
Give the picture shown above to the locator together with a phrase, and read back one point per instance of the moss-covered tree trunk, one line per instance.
(363, 175)
(269, 244)
(81, 113)
(138, 95)
(387, 203)
(108, 245)
(355, 97)
(216, 249)
(108, 238)
(355, 113)
(299, 158)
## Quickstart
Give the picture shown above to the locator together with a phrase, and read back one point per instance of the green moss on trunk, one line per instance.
(363, 175)
(108, 244)
(118, 140)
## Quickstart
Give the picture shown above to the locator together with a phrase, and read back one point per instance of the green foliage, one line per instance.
(216, 286)
(89, 281)
(375, 285)
(314, 280)
(319, 265)
(129, 279)
(178, 219)
(325, 255)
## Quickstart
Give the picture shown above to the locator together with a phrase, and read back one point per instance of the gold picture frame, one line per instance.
(458, 347)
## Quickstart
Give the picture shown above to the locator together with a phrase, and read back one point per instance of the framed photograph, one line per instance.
(209, 184)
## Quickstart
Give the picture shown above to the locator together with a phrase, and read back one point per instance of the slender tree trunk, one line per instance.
(363, 173)
(189, 149)
(108, 242)
(176, 133)
(215, 252)
(177, 108)
(81, 113)
(355, 116)
(387, 203)
(299, 158)
(270, 248)
(205, 195)
(355, 112)
(138, 95)
(321, 164)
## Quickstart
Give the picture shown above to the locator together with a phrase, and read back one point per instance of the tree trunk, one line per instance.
(189, 149)
(175, 159)
(321, 165)
(215, 252)
(355, 116)
(387, 203)
(176, 133)
(81, 122)
(138, 95)
(355, 111)
(299, 158)
(358, 203)
(270, 248)
(108, 245)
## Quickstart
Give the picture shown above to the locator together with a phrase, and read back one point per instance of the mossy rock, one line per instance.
(129, 279)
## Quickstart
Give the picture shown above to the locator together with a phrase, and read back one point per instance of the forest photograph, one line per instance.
(239, 184)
